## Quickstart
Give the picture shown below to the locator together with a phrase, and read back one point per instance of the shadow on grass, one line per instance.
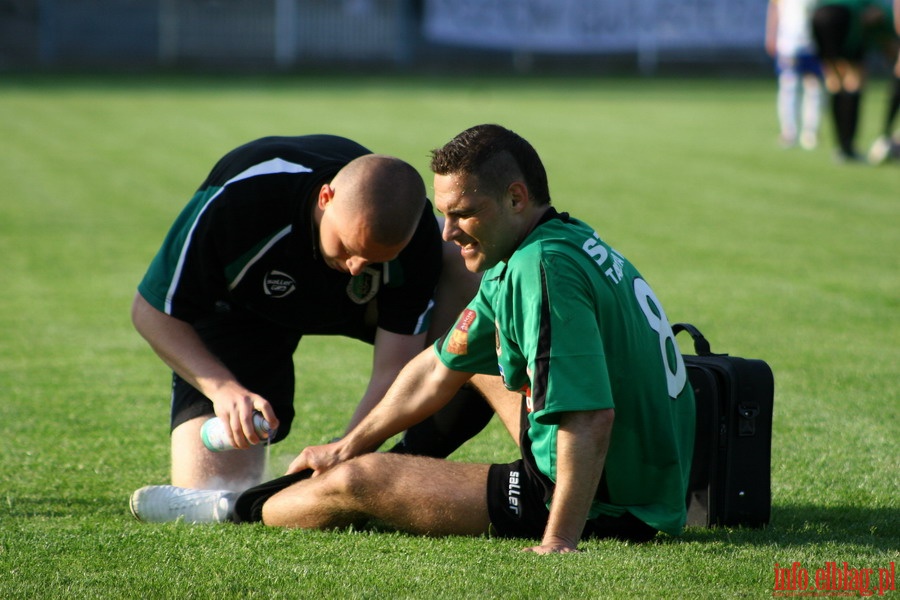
(878, 528)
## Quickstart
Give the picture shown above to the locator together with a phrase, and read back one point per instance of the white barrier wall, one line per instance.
(590, 26)
(286, 33)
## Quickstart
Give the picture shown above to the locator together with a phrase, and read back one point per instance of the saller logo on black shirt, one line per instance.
(278, 284)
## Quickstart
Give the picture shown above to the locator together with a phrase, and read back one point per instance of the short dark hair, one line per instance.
(497, 157)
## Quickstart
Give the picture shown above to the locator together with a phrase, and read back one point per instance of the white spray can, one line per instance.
(215, 437)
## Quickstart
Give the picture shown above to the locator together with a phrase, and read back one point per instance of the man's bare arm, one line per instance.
(582, 443)
(180, 347)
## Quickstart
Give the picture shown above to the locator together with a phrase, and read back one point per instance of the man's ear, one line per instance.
(518, 195)
(326, 195)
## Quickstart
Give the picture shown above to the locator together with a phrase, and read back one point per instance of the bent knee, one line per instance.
(335, 499)
(319, 502)
(360, 477)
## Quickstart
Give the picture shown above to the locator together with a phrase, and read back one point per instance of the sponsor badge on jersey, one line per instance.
(364, 286)
(278, 284)
(459, 337)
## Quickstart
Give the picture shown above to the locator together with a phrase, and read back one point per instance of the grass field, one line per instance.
(774, 254)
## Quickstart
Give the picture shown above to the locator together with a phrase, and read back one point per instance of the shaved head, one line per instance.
(383, 194)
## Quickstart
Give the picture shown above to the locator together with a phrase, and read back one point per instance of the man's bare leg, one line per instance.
(415, 494)
(193, 466)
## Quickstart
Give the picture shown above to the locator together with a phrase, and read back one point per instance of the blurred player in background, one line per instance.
(799, 100)
(845, 31)
(887, 146)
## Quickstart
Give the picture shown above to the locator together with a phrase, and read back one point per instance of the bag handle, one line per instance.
(701, 345)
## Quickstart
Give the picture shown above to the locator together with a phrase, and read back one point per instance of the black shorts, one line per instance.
(517, 509)
(831, 30)
(258, 352)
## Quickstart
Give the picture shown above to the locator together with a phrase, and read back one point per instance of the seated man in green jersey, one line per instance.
(603, 413)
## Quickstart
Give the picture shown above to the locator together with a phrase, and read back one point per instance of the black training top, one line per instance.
(247, 241)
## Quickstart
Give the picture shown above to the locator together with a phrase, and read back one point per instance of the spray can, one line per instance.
(214, 436)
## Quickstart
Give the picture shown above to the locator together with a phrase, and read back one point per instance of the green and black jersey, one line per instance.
(572, 325)
(247, 241)
(863, 34)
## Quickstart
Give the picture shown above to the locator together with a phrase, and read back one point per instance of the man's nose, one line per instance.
(450, 229)
(356, 265)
